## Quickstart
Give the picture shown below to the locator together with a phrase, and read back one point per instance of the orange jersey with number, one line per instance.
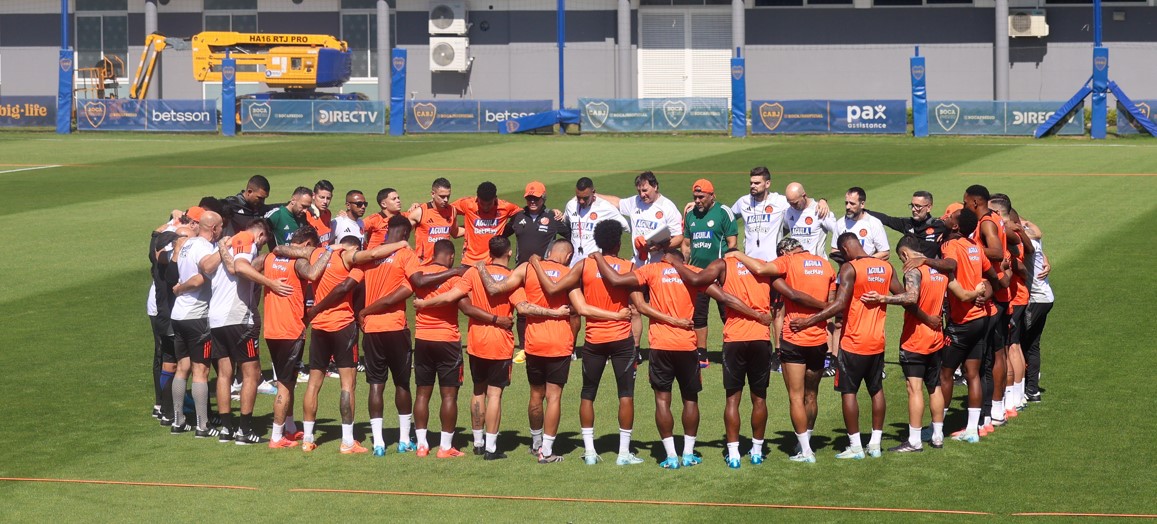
(482, 226)
(971, 264)
(812, 276)
(374, 230)
(436, 324)
(611, 298)
(321, 224)
(434, 226)
(916, 336)
(670, 296)
(483, 339)
(753, 290)
(864, 323)
(382, 278)
(339, 316)
(284, 316)
(546, 337)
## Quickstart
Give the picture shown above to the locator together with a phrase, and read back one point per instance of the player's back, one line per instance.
(864, 323)
(598, 294)
(916, 336)
(751, 289)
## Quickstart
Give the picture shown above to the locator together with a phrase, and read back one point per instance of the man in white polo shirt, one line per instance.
(867, 228)
(804, 221)
(584, 212)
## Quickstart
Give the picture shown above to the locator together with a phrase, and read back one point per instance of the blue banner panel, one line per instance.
(1144, 107)
(110, 115)
(789, 116)
(64, 95)
(919, 95)
(277, 116)
(467, 116)
(868, 116)
(1023, 118)
(1100, 113)
(493, 112)
(738, 97)
(956, 117)
(340, 116)
(27, 111)
(182, 115)
(615, 116)
(631, 115)
(398, 92)
(229, 96)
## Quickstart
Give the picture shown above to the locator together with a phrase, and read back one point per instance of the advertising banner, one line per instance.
(917, 70)
(146, 115)
(313, 116)
(468, 116)
(960, 117)
(789, 116)
(738, 97)
(1145, 107)
(277, 116)
(27, 111)
(643, 115)
(868, 116)
(110, 115)
(1023, 118)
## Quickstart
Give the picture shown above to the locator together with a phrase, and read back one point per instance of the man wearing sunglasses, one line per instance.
(930, 230)
(350, 222)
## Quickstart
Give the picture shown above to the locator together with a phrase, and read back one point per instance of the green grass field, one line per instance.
(76, 346)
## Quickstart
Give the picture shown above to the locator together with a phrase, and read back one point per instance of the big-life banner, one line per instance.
(27, 111)
(468, 116)
(828, 116)
(1145, 107)
(146, 115)
(644, 115)
(957, 117)
(313, 116)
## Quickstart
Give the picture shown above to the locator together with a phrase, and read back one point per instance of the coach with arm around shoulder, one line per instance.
(930, 230)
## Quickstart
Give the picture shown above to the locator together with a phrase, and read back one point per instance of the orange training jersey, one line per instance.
(434, 226)
(1020, 291)
(597, 294)
(864, 323)
(284, 315)
(970, 267)
(374, 230)
(436, 324)
(815, 277)
(546, 337)
(321, 224)
(481, 227)
(753, 290)
(338, 317)
(916, 336)
(671, 297)
(1002, 295)
(487, 340)
(382, 278)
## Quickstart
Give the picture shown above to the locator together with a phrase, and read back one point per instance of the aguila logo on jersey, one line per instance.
(808, 220)
(863, 232)
(701, 235)
(552, 273)
(594, 216)
(947, 115)
(674, 111)
(439, 230)
(771, 115)
(95, 112)
(424, 114)
(813, 263)
(876, 270)
(597, 113)
(259, 114)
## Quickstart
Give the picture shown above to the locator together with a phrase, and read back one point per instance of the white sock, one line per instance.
(854, 441)
(422, 442)
(589, 440)
(874, 441)
(404, 429)
(479, 438)
(536, 439)
(688, 444)
(973, 420)
(547, 445)
(756, 446)
(809, 434)
(447, 440)
(624, 442)
(491, 442)
(945, 415)
(988, 420)
(376, 427)
(914, 436)
(1020, 389)
(290, 427)
(669, 445)
(347, 434)
(733, 450)
(938, 430)
(997, 409)
(308, 430)
(805, 444)
(278, 431)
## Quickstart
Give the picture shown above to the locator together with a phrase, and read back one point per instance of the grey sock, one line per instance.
(179, 401)
(201, 403)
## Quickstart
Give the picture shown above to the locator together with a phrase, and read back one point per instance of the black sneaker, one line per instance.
(214, 420)
(245, 439)
(497, 455)
(830, 371)
(165, 421)
(906, 447)
(479, 450)
(183, 428)
(157, 412)
(224, 435)
(207, 433)
(361, 368)
(1033, 397)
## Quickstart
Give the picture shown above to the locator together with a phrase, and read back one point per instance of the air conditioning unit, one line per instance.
(1028, 22)
(449, 53)
(448, 18)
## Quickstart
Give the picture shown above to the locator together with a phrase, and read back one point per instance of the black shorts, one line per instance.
(286, 358)
(339, 346)
(239, 342)
(386, 353)
(776, 300)
(1016, 325)
(917, 365)
(810, 356)
(998, 334)
(547, 370)
(702, 303)
(437, 361)
(622, 356)
(748, 361)
(668, 367)
(489, 372)
(163, 338)
(853, 369)
(964, 342)
(192, 339)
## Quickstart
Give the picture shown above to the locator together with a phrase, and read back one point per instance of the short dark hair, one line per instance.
(608, 236)
(1001, 196)
(305, 234)
(487, 191)
(499, 246)
(648, 177)
(351, 193)
(847, 237)
(323, 185)
(967, 221)
(399, 223)
(977, 190)
(385, 193)
(584, 184)
(761, 171)
(909, 242)
(211, 204)
(678, 253)
(351, 240)
(443, 246)
(260, 225)
(859, 192)
(785, 245)
(302, 190)
(440, 183)
(258, 182)
(1000, 204)
(923, 194)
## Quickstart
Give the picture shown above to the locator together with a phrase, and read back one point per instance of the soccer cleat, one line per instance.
(351, 449)
(809, 458)
(691, 459)
(906, 447)
(308, 446)
(379, 451)
(971, 438)
(987, 430)
(534, 450)
(183, 428)
(830, 371)
(361, 368)
(234, 388)
(851, 454)
(494, 455)
(937, 442)
(479, 450)
(156, 411)
(449, 453)
(591, 459)
(267, 388)
(549, 459)
(874, 452)
(997, 422)
(520, 357)
(756, 459)
(296, 436)
(670, 463)
(1032, 397)
(405, 447)
(207, 433)
(281, 443)
(302, 376)
(165, 421)
(247, 439)
(1011, 413)
(224, 435)
(423, 451)
(733, 463)
(628, 460)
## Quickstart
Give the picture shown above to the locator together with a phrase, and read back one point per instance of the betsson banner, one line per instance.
(146, 115)
(467, 116)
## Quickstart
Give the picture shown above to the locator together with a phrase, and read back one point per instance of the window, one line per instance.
(239, 16)
(360, 31)
(683, 2)
(800, 3)
(101, 31)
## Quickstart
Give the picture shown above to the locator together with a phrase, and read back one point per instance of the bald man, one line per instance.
(804, 222)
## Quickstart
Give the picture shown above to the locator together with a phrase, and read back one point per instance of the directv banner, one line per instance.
(468, 116)
(996, 118)
(829, 116)
(146, 115)
(27, 111)
(313, 116)
(642, 115)
(1145, 107)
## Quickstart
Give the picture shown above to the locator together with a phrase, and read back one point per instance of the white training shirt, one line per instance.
(582, 222)
(233, 302)
(809, 229)
(1041, 291)
(868, 229)
(645, 219)
(344, 226)
(194, 304)
(151, 303)
(762, 223)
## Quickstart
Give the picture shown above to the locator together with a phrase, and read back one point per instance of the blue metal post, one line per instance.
(228, 95)
(738, 95)
(398, 92)
(66, 61)
(919, 95)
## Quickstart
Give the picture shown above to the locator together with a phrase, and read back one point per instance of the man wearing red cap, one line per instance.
(535, 227)
(709, 230)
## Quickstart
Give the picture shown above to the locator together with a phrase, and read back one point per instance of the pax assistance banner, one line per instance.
(146, 115)
(1146, 107)
(645, 115)
(828, 116)
(468, 116)
(963, 117)
(27, 111)
(313, 116)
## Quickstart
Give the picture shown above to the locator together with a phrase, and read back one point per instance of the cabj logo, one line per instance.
(95, 112)
(771, 115)
(228, 72)
(66, 64)
(399, 63)
(424, 114)
(947, 115)
(1101, 62)
(597, 113)
(260, 114)
(917, 72)
(674, 111)
(511, 126)
(1143, 108)
(737, 72)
